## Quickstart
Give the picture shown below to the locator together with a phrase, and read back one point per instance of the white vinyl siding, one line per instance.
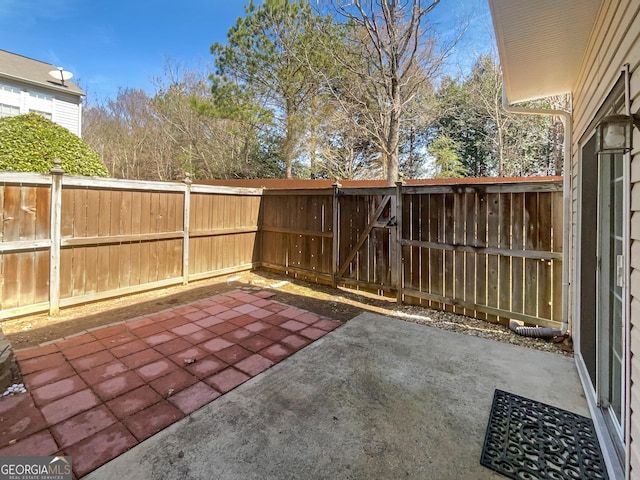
(68, 115)
(615, 41)
(63, 109)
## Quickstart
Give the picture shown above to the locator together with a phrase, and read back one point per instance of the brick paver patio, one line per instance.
(97, 394)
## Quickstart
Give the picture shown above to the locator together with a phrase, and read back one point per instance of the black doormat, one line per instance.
(529, 439)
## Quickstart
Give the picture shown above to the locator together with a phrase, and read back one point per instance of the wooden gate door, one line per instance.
(367, 239)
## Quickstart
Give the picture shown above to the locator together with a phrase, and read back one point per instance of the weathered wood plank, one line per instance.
(481, 258)
(80, 204)
(556, 246)
(436, 257)
(459, 257)
(517, 243)
(11, 221)
(544, 293)
(124, 228)
(91, 270)
(470, 257)
(504, 261)
(103, 213)
(531, 221)
(43, 206)
(448, 236)
(532, 254)
(78, 272)
(66, 273)
(11, 280)
(42, 277)
(67, 212)
(493, 212)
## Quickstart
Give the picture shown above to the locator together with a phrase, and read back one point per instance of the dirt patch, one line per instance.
(337, 304)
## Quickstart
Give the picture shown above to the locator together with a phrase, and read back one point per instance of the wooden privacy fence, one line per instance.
(492, 251)
(68, 240)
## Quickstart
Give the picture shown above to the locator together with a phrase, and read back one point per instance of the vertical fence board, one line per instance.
(517, 243)
(556, 246)
(43, 207)
(67, 215)
(447, 237)
(504, 262)
(481, 258)
(470, 257)
(425, 253)
(115, 252)
(531, 243)
(10, 280)
(545, 284)
(66, 272)
(27, 222)
(42, 276)
(11, 222)
(124, 227)
(436, 257)
(493, 221)
(459, 239)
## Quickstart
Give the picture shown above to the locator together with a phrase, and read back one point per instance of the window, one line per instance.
(44, 114)
(9, 88)
(8, 110)
(40, 95)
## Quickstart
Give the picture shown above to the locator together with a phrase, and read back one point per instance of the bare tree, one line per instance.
(392, 54)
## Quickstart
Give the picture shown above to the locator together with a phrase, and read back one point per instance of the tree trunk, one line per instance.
(392, 149)
(288, 142)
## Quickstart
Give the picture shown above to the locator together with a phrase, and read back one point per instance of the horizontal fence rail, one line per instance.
(488, 250)
(69, 240)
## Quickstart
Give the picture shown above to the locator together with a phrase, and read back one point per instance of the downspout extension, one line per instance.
(566, 197)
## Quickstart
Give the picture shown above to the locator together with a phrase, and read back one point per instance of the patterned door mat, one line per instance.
(529, 439)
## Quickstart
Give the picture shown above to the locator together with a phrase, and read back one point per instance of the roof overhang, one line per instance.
(541, 44)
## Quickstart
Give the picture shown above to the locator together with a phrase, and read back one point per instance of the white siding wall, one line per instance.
(68, 115)
(63, 109)
(614, 42)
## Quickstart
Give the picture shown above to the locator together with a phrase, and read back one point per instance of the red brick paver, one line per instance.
(95, 395)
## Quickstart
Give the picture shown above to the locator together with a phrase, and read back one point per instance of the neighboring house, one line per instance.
(591, 49)
(26, 86)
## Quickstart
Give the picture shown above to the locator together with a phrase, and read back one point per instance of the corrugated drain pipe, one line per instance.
(544, 332)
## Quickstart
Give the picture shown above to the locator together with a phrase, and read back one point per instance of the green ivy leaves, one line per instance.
(29, 143)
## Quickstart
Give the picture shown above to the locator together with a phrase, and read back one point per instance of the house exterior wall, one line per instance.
(614, 42)
(17, 98)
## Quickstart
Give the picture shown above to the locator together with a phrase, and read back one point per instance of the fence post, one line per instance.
(185, 228)
(55, 233)
(398, 259)
(336, 235)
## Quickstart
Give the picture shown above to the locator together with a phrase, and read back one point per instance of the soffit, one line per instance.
(541, 44)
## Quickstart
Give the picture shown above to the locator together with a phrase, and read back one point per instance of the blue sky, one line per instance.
(109, 44)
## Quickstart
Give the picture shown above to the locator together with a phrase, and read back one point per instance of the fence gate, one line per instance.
(366, 249)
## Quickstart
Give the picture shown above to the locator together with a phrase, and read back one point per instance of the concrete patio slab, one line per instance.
(377, 398)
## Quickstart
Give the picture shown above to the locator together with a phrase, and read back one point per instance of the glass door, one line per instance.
(611, 288)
